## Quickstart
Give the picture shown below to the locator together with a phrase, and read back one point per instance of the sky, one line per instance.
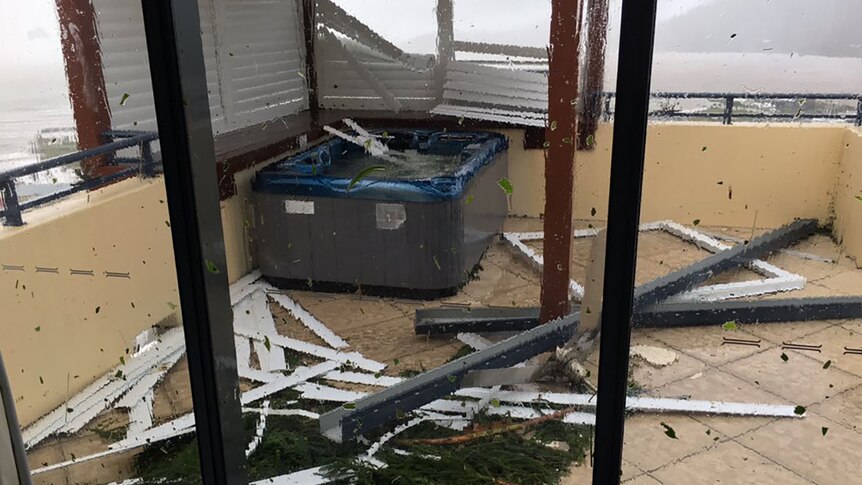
(31, 62)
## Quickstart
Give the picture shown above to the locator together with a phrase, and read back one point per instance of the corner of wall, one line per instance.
(847, 202)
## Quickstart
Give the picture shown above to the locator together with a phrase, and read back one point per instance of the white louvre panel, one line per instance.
(263, 60)
(489, 93)
(126, 65)
(342, 87)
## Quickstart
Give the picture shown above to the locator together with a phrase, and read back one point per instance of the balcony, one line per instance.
(93, 327)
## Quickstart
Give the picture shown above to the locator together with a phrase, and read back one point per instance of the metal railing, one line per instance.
(727, 114)
(145, 164)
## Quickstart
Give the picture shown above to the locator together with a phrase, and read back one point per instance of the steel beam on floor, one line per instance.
(447, 321)
(749, 312)
(687, 278)
(351, 420)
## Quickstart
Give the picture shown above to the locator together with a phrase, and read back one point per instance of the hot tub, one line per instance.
(417, 225)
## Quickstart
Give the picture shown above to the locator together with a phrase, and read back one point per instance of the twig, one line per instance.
(484, 433)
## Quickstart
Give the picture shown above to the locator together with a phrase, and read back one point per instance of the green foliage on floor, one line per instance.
(290, 443)
(542, 455)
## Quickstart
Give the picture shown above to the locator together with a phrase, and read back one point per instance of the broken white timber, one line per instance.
(300, 375)
(368, 456)
(141, 415)
(84, 406)
(283, 412)
(243, 363)
(137, 393)
(576, 290)
(474, 341)
(652, 404)
(351, 358)
(376, 84)
(361, 378)
(311, 476)
(310, 321)
(259, 429)
(175, 427)
(247, 285)
(253, 313)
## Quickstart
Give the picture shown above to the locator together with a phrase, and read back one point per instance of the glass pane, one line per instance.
(93, 338)
(755, 130)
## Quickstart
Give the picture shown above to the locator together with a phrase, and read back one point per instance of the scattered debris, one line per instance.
(654, 356)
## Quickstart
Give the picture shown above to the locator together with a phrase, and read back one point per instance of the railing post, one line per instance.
(148, 166)
(10, 200)
(606, 114)
(859, 112)
(728, 111)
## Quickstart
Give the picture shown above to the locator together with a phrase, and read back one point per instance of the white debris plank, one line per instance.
(298, 376)
(258, 432)
(653, 404)
(253, 313)
(182, 425)
(140, 390)
(311, 476)
(474, 341)
(362, 378)
(351, 358)
(373, 449)
(283, 412)
(141, 415)
(307, 319)
(95, 397)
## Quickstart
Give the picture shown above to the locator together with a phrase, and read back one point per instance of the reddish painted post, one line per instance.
(560, 156)
(83, 58)
(597, 33)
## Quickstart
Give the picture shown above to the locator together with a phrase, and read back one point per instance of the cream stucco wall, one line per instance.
(848, 195)
(61, 331)
(776, 173)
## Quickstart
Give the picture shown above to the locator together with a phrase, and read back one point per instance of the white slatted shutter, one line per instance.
(263, 59)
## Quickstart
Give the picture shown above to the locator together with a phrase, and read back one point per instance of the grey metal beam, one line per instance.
(377, 409)
(439, 321)
(445, 321)
(686, 278)
(761, 311)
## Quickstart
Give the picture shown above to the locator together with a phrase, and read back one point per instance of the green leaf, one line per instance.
(451, 378)
(495, 402)
(827, 364)
(729, 325)
(124, 99)
(506, 185)
(859, 198)
(468, 200)
(172, 306)
(267, 344)
(567, 140)
(824, 430)
(349, 405)
(593, 211)
(396, 361)
(122, 360)
(669, 431)
(591, 140)
(553, 126)
(696, 222)
(118, 375)
(211, 267)
(784, 357)
(703, 149)
(364, 173)
(38, 328)
(41, 381)
(799, 410)
(98, 309)
(546, 144)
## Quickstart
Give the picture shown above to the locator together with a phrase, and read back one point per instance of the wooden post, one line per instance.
(445, 43)
(83, 58)
(560, 157)
(597, 37)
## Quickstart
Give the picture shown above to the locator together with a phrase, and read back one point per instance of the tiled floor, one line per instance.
(824, 447)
